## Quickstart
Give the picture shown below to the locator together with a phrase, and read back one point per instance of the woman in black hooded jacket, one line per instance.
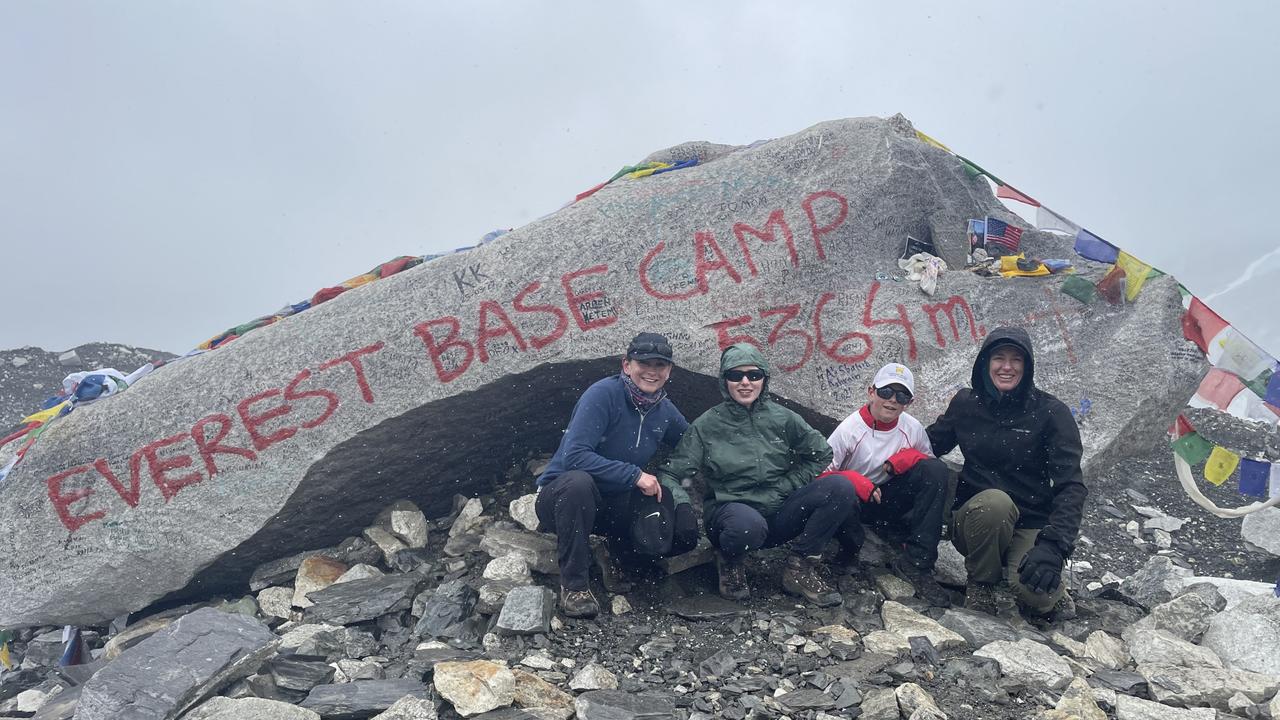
(1021, 491)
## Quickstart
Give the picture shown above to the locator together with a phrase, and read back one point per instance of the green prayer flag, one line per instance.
(1259, 384)
(1193, 448)
(1080, 289)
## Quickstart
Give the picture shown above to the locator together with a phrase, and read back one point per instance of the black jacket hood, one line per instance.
(981, 378)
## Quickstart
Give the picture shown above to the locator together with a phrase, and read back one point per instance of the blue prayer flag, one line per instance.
(1273, 390)
(1093, 247)
(1253, 477)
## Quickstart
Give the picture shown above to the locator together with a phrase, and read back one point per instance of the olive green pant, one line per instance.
(985, 531)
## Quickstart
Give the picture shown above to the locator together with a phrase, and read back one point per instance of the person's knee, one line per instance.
(576, 485)
(743, 533)
(838, 491)
(990, 509)
(933, 475)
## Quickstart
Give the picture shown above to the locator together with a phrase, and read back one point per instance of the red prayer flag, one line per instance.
(1219, 387)
(1111, 286)
(1181, 427)
(1200, 324)
(1007, 191)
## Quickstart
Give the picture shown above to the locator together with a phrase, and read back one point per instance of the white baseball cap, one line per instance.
(895, 374)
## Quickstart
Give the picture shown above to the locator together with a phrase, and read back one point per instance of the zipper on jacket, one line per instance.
(640, 429)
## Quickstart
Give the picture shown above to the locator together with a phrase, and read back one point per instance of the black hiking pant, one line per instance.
(808, 518)
(637, 526)
(908, 515)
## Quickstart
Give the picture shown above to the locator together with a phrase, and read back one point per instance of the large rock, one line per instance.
(404, 520)
(1247, 636)
(1207, 687)
(908, 623)
(475, 687)
(1158, 646)
(1132, 708)
(527, 611)
(1159, 581)
(348, 701)
(1261, 530)
(414, 386)
(1028, 663)
(620, 705)
(177, 667)
(359, 600)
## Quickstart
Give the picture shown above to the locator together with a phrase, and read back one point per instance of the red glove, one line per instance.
(861, 484)
(902, 461)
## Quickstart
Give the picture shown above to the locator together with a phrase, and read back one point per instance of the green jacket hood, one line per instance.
(743, 354)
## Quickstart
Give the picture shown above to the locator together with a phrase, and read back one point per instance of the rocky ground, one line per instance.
(456, 617)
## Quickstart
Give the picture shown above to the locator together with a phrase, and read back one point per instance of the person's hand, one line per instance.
(649, 485)
(686, 530)
(1041, 569)
(902, 461)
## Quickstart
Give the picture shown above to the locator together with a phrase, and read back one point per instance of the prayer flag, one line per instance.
(1180, 427)
(4, 656)
(1003, 234)
(1259, 384)
(1273, 488)
(1253, 477)
(1273, 389)
(1111, 286)
(1193, 448)
(1051, 221)
(1080, 289)
(1201, 325)
(45, 415)
(930, 141)
(1136, 273)
(1093, 247)
(1217, 390)
(974, 169)
(1006, 191)
(1221, 463)
(1234, 352)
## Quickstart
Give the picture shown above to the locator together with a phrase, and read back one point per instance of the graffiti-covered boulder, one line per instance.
(435, 380)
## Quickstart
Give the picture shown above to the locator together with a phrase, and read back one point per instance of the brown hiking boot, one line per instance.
(800, 577)
(578, 603)
(733, 577)
(615, 578)
(990, 598)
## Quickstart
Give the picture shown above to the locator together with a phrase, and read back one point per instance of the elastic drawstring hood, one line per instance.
(981, 378)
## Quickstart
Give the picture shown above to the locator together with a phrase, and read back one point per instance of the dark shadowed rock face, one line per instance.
(434, 381)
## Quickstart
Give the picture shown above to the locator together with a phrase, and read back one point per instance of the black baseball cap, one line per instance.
(650, 346)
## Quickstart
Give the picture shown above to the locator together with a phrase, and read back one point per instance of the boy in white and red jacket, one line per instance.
(886, 454)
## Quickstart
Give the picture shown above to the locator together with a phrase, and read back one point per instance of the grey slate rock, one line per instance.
(622, 705)
(977, 628)
(1159, 581)
(294, 673)
(1248, 635)
(807, 699)
(527, 611)
(223, 708)
(360, 699)
(177, 667)
(445, 613)
(705, 607)
(62, 706)
(720, 664)
(360, 600)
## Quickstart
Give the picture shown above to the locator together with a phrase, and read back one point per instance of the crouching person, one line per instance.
(1021, 492)
(596, 483)
(886, 454)
(759, 461)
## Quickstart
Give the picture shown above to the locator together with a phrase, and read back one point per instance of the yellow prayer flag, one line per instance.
(4, 656)
(1136, 273)
(1221, 463)
(359, 280)
(928, 140)
(651, 168)
(45, 415)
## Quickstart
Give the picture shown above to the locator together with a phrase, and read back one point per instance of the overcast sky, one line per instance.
(168, 170)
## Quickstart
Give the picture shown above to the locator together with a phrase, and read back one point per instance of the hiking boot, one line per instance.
(990, 598)
(733, 577)
(800, 577)
(1064, 609)
(927, 588)
(845, 562)
(578, 603)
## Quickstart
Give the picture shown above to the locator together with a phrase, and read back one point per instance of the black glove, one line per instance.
(686, 531)
(1041, 569)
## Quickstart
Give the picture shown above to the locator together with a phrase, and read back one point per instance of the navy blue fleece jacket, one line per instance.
(609, 439)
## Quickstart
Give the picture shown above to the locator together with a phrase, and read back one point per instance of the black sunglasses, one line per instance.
(903, 398)
(650, 348)
(737, 375)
